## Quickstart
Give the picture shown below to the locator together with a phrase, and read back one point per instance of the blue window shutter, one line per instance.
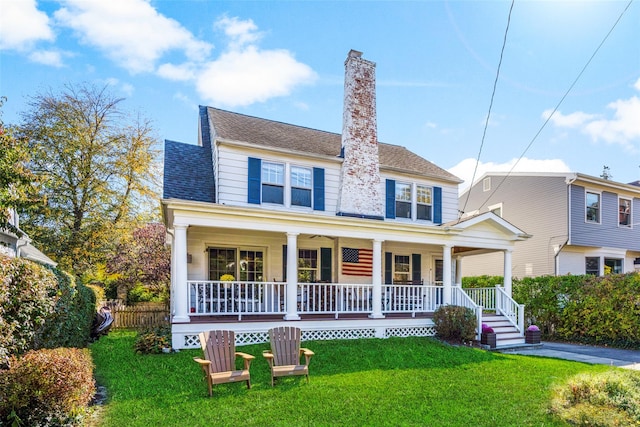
(318, 189)
(325, 265)
(255, 171)
(437, 205)
(391, 198)
(416, 267)
(284, 262)
(388, 268)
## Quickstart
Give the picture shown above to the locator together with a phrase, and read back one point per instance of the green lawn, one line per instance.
(366, 382)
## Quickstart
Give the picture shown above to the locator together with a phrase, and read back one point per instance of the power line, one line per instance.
(493, 93)
(615, 24)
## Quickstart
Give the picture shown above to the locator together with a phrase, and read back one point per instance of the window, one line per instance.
(624, 216)
(613, 266)
(496, 209)
(403, 200)
(593, 207)
(272, 183)
(221, 261)
(425, 202)
(300, 186)
(307, 265)
(401, 269)
(592, 265)
(251, 265)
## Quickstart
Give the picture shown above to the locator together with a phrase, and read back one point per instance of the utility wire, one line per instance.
(615, 24)
(493, 93)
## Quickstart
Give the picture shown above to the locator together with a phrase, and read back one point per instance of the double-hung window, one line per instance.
(593, 207)
(403, 200)
(592, 265)
(624, 212)
(424, 202)
(300, 186)
(401, 269)
(307, 265)
(273, 183)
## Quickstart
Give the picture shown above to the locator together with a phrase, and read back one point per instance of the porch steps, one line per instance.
(506, 334)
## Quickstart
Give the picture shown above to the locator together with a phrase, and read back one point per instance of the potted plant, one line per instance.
(488, 336)
(532, 335)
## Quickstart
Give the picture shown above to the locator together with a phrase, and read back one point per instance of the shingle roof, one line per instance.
(268, 133)
(188, 172)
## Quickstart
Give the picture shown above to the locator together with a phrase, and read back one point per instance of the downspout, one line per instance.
(556, 260)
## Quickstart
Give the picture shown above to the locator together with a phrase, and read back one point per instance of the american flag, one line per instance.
(357, 262)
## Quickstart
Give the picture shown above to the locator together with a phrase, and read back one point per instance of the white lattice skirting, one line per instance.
(188, 339)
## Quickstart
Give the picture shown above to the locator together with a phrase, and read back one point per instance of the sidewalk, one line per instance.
(628, 359)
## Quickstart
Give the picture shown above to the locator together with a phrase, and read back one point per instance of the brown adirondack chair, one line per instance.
(219, 364)
(285, 353)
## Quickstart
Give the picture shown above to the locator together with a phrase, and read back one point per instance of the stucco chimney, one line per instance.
(360, 192)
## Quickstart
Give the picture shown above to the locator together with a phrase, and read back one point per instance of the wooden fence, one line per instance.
(139, 316)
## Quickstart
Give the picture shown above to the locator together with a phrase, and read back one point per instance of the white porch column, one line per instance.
(376, 297)
(507, 272)
(292, 277)
(446, 274)
(181, 289)
(458, 271)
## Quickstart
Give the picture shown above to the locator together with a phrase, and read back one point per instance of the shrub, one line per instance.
(48, 387)
(70, 323)
(455, 323)
(28, 294)
(606, 399)
(152, 341)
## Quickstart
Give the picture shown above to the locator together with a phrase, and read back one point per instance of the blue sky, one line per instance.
(284, 60)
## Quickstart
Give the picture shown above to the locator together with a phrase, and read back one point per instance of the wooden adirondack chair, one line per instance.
(285, 353)
(220, 354)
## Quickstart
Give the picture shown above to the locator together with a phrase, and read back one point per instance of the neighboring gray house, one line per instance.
(20, 247)
(580, 224)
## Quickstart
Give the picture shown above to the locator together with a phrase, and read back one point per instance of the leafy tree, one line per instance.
(143, 260)
(95, 161)
(17, 183)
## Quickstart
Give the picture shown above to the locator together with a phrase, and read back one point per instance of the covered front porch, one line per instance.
(334, 276)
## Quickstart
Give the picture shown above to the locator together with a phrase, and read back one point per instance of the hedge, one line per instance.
(589, 309)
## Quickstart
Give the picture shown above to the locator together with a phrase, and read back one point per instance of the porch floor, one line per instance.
(248, 318)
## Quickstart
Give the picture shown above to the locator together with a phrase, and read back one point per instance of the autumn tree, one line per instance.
(95, 161)
(18, 190)
(143, 261)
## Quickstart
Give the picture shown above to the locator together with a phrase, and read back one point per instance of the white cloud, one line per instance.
(240, 33)
(182, 72)
(464, 169)
(573, 120)
(240, 78)
(130, 32)
(22, 25)
(47, 57)
(622, 127)
(124, 88)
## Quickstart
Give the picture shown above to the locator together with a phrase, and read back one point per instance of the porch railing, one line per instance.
(486, 297)
(509, 308)
(258, 298)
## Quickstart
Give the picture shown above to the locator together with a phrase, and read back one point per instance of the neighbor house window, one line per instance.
(300, 186)
(425, 202)
(272, 183)
(624, 212)
(592, 265)
(307, 265)
(403, 200)
(593, 207)
(401, 269)
(613, 266)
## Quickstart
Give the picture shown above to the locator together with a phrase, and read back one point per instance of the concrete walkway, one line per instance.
(628, 359)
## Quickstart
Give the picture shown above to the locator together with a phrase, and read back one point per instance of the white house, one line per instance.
(20, 246)
(343, 235)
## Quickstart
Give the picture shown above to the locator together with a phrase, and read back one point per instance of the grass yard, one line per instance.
(366, 382)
